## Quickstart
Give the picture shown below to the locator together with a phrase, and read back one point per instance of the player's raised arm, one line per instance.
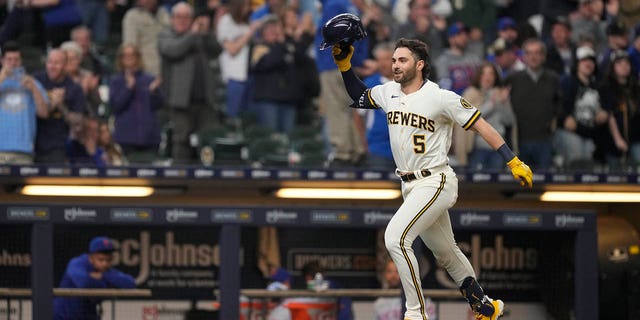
(519, 169)
(355, 87)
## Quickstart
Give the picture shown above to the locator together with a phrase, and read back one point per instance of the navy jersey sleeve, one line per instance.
(358, 91)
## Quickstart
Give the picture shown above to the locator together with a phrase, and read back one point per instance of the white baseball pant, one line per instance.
(425, 213)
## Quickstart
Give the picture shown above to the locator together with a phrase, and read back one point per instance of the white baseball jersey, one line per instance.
(421, 123)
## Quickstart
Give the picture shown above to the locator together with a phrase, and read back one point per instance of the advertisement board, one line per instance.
(175, 251)
(174, 262)
(184, 261)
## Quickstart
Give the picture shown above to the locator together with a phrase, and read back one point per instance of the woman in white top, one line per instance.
(234, 34)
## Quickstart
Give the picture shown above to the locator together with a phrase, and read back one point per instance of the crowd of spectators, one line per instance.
(559, 79)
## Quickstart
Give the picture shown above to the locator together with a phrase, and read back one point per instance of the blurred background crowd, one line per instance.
(117, 82)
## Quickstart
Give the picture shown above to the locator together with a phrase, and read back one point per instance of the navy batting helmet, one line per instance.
(344, 27)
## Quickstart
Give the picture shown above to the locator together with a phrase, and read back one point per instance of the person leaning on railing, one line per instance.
(90, 270)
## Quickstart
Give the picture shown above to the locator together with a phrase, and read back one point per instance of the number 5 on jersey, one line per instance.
(419, 143)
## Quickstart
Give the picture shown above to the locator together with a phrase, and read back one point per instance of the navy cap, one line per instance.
(506, 23)
(456, 28)
(101, 244)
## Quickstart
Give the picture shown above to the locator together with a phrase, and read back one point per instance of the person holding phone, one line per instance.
(22, 99)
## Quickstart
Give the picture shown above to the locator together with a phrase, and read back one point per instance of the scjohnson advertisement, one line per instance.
(168, 264)
(182, 261)
(501, 262)
(517, 264)
(160, 259)
(176, 262)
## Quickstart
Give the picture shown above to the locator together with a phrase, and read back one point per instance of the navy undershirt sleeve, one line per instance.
(357, 90)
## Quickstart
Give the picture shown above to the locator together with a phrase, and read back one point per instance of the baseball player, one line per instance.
(90, 270)
(421, 117)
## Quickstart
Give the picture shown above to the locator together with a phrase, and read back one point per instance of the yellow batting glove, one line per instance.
(343, 63)
(521, 172)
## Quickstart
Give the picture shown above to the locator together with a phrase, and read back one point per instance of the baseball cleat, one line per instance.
(498, 309)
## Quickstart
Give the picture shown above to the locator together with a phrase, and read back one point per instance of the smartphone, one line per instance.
(18, 73)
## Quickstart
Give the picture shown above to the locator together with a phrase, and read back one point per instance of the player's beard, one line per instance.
(405, 76)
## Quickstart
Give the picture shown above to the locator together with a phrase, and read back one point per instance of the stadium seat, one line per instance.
(221, 145)
(269, 150)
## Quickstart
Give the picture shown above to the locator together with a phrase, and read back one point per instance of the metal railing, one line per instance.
(112, 294)
(354, 293)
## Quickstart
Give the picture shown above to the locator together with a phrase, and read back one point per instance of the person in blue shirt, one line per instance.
(22, 99)
(378, 145)
(268, 8)
(90, 270)
(59, 18)
(347, 147)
